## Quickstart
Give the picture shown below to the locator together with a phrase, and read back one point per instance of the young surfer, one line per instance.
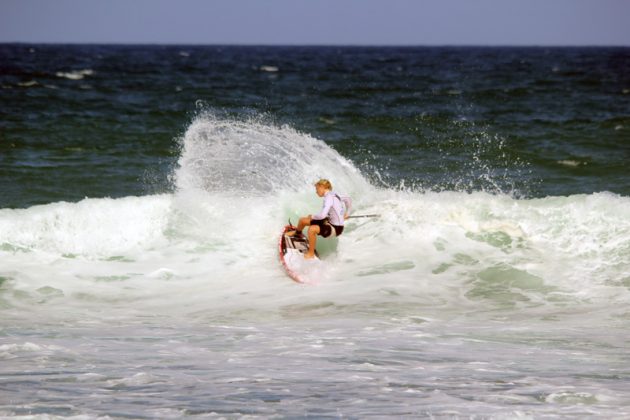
(329, 220)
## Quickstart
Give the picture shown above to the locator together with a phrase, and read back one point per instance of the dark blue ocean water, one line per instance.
(102, 120)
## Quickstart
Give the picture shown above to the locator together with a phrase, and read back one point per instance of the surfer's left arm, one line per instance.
(347, 201)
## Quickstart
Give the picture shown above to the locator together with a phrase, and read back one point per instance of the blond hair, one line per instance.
(324, 183)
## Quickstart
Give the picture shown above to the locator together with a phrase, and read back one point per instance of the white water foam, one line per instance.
(75, 75)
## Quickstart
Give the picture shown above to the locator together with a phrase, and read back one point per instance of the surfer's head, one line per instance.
(322, 186)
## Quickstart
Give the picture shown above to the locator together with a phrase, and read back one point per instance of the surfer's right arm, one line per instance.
(328, 202)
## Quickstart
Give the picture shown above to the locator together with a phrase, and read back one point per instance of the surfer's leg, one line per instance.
(302, 223)
(313, 231)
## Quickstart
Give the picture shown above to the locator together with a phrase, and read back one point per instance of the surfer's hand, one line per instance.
(346, 216)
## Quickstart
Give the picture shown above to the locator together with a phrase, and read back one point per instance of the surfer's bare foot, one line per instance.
(309, 256)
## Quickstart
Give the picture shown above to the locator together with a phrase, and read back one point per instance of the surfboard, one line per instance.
(292, 250)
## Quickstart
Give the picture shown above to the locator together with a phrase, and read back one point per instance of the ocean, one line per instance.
(143, 190)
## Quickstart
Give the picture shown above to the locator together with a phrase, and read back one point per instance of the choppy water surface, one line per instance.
(144, 189)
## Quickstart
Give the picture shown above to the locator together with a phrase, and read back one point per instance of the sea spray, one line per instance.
(254, 157)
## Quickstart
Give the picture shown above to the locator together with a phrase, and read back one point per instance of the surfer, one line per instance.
(335, 210)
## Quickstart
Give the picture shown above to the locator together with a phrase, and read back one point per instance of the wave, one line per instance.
(208, 249)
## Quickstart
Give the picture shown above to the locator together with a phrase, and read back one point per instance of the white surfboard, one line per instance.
(292, 250)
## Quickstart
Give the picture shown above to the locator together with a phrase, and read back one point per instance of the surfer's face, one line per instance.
(320, 190)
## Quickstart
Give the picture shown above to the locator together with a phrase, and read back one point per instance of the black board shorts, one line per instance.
(325, 228)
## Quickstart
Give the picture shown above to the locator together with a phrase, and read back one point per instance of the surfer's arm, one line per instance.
(347, 201)
(328, 202)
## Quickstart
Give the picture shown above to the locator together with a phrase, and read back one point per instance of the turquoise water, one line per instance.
(144, 190)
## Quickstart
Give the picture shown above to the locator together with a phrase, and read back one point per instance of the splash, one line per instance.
(254, 157)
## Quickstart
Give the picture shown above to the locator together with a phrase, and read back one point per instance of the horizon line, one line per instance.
(316, 45)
